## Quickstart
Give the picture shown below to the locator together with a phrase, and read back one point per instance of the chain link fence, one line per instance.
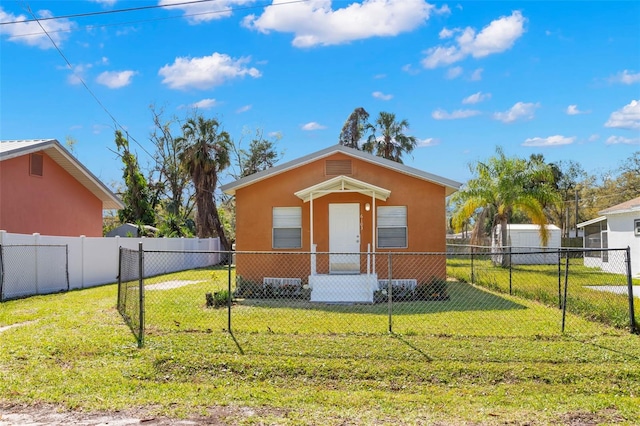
(464, 292)
(27, 270)
(131, 291)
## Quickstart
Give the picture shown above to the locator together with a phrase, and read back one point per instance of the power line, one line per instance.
(104, 12)
(214, 12)
(116, 123)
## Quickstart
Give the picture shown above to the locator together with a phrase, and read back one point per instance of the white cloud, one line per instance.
(593, 137)
(275, 135)
(453, 73)
(313, 126)
(441, 114)
(476, 98)
(445, 33)
(423, 143)
(77, 73)
(382, 96)
(205, 72)
(410, 70)
(105, 2)
(573, 110)
(31, 34)
(244, 108)
(476, 75)
(613, 140)
(626, 77)
(521, 110)
(116, 79)
(379, 76)
(549, 141)
(205, 11)
(498, 36)
(206, 103)
(314, 22)
(628, 117)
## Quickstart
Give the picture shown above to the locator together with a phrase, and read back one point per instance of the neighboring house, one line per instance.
(45, 190)
(131, 230)
(336, 202)
(617, 227)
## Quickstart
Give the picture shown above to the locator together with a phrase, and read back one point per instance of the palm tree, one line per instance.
(392, 143)
(502, 187)
(206, 153)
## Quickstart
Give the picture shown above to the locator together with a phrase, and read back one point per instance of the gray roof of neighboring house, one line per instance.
(450, 185)
(53, 148)
(626, 207)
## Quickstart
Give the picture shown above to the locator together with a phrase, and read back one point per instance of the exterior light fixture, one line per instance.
(367, 207)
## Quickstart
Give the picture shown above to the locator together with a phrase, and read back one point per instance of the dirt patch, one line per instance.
(584, 418)
(18, 324)
(168, 285)
(50, 415)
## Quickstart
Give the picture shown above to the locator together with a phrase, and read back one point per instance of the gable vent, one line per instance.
(35, 164)
(337, 167)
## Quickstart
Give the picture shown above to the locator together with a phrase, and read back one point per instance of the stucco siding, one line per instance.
(426, 222)
(52, 204)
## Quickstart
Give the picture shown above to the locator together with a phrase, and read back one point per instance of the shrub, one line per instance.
(435, 289)
(247, 289)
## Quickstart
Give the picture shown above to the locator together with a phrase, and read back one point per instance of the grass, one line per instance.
(545, 284)
(479, 358)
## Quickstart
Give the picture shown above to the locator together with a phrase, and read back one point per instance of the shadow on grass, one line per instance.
(463, 297)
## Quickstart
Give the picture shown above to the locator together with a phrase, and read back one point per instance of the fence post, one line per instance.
(36, 242)
(229, 254)
(1, 269)
(119, 305)
(66, 249)
(389, 293)
(632, 317)
(559, 278)
(510, 271)
(473, 249)
(141, 292)
(566, 284)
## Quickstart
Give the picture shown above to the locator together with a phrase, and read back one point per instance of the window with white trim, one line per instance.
(392, 227)
(287, 227)
(636, 227)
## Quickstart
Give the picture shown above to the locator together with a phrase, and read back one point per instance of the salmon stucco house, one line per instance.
(45, 190)
(343, 208)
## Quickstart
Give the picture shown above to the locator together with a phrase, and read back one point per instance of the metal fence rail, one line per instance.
(27, 270)
(465, 292)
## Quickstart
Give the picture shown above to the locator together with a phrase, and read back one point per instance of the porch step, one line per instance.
(343, 288)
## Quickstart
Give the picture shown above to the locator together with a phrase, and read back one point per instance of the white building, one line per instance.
(525, 238)
(617, 227)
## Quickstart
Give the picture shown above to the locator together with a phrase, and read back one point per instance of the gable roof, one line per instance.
(451, 186)
(340, 184)
(53, 148)
(626, 207)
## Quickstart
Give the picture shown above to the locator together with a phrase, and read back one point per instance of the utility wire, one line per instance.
(215, 12)
(106, 12)
(116, 123)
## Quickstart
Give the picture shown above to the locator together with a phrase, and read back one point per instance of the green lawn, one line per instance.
(480, 357)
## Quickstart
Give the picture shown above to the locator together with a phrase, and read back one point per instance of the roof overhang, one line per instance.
(342, 184)
(591, 222)
(64, 159)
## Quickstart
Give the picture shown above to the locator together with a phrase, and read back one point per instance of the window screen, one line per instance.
(287, 227)
(392, 227)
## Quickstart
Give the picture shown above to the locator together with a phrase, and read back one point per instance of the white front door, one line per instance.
(344, 238)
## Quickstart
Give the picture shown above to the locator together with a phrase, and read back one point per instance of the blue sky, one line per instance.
(560, 79)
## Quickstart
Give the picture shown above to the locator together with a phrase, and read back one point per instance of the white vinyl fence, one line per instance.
(31, 265)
